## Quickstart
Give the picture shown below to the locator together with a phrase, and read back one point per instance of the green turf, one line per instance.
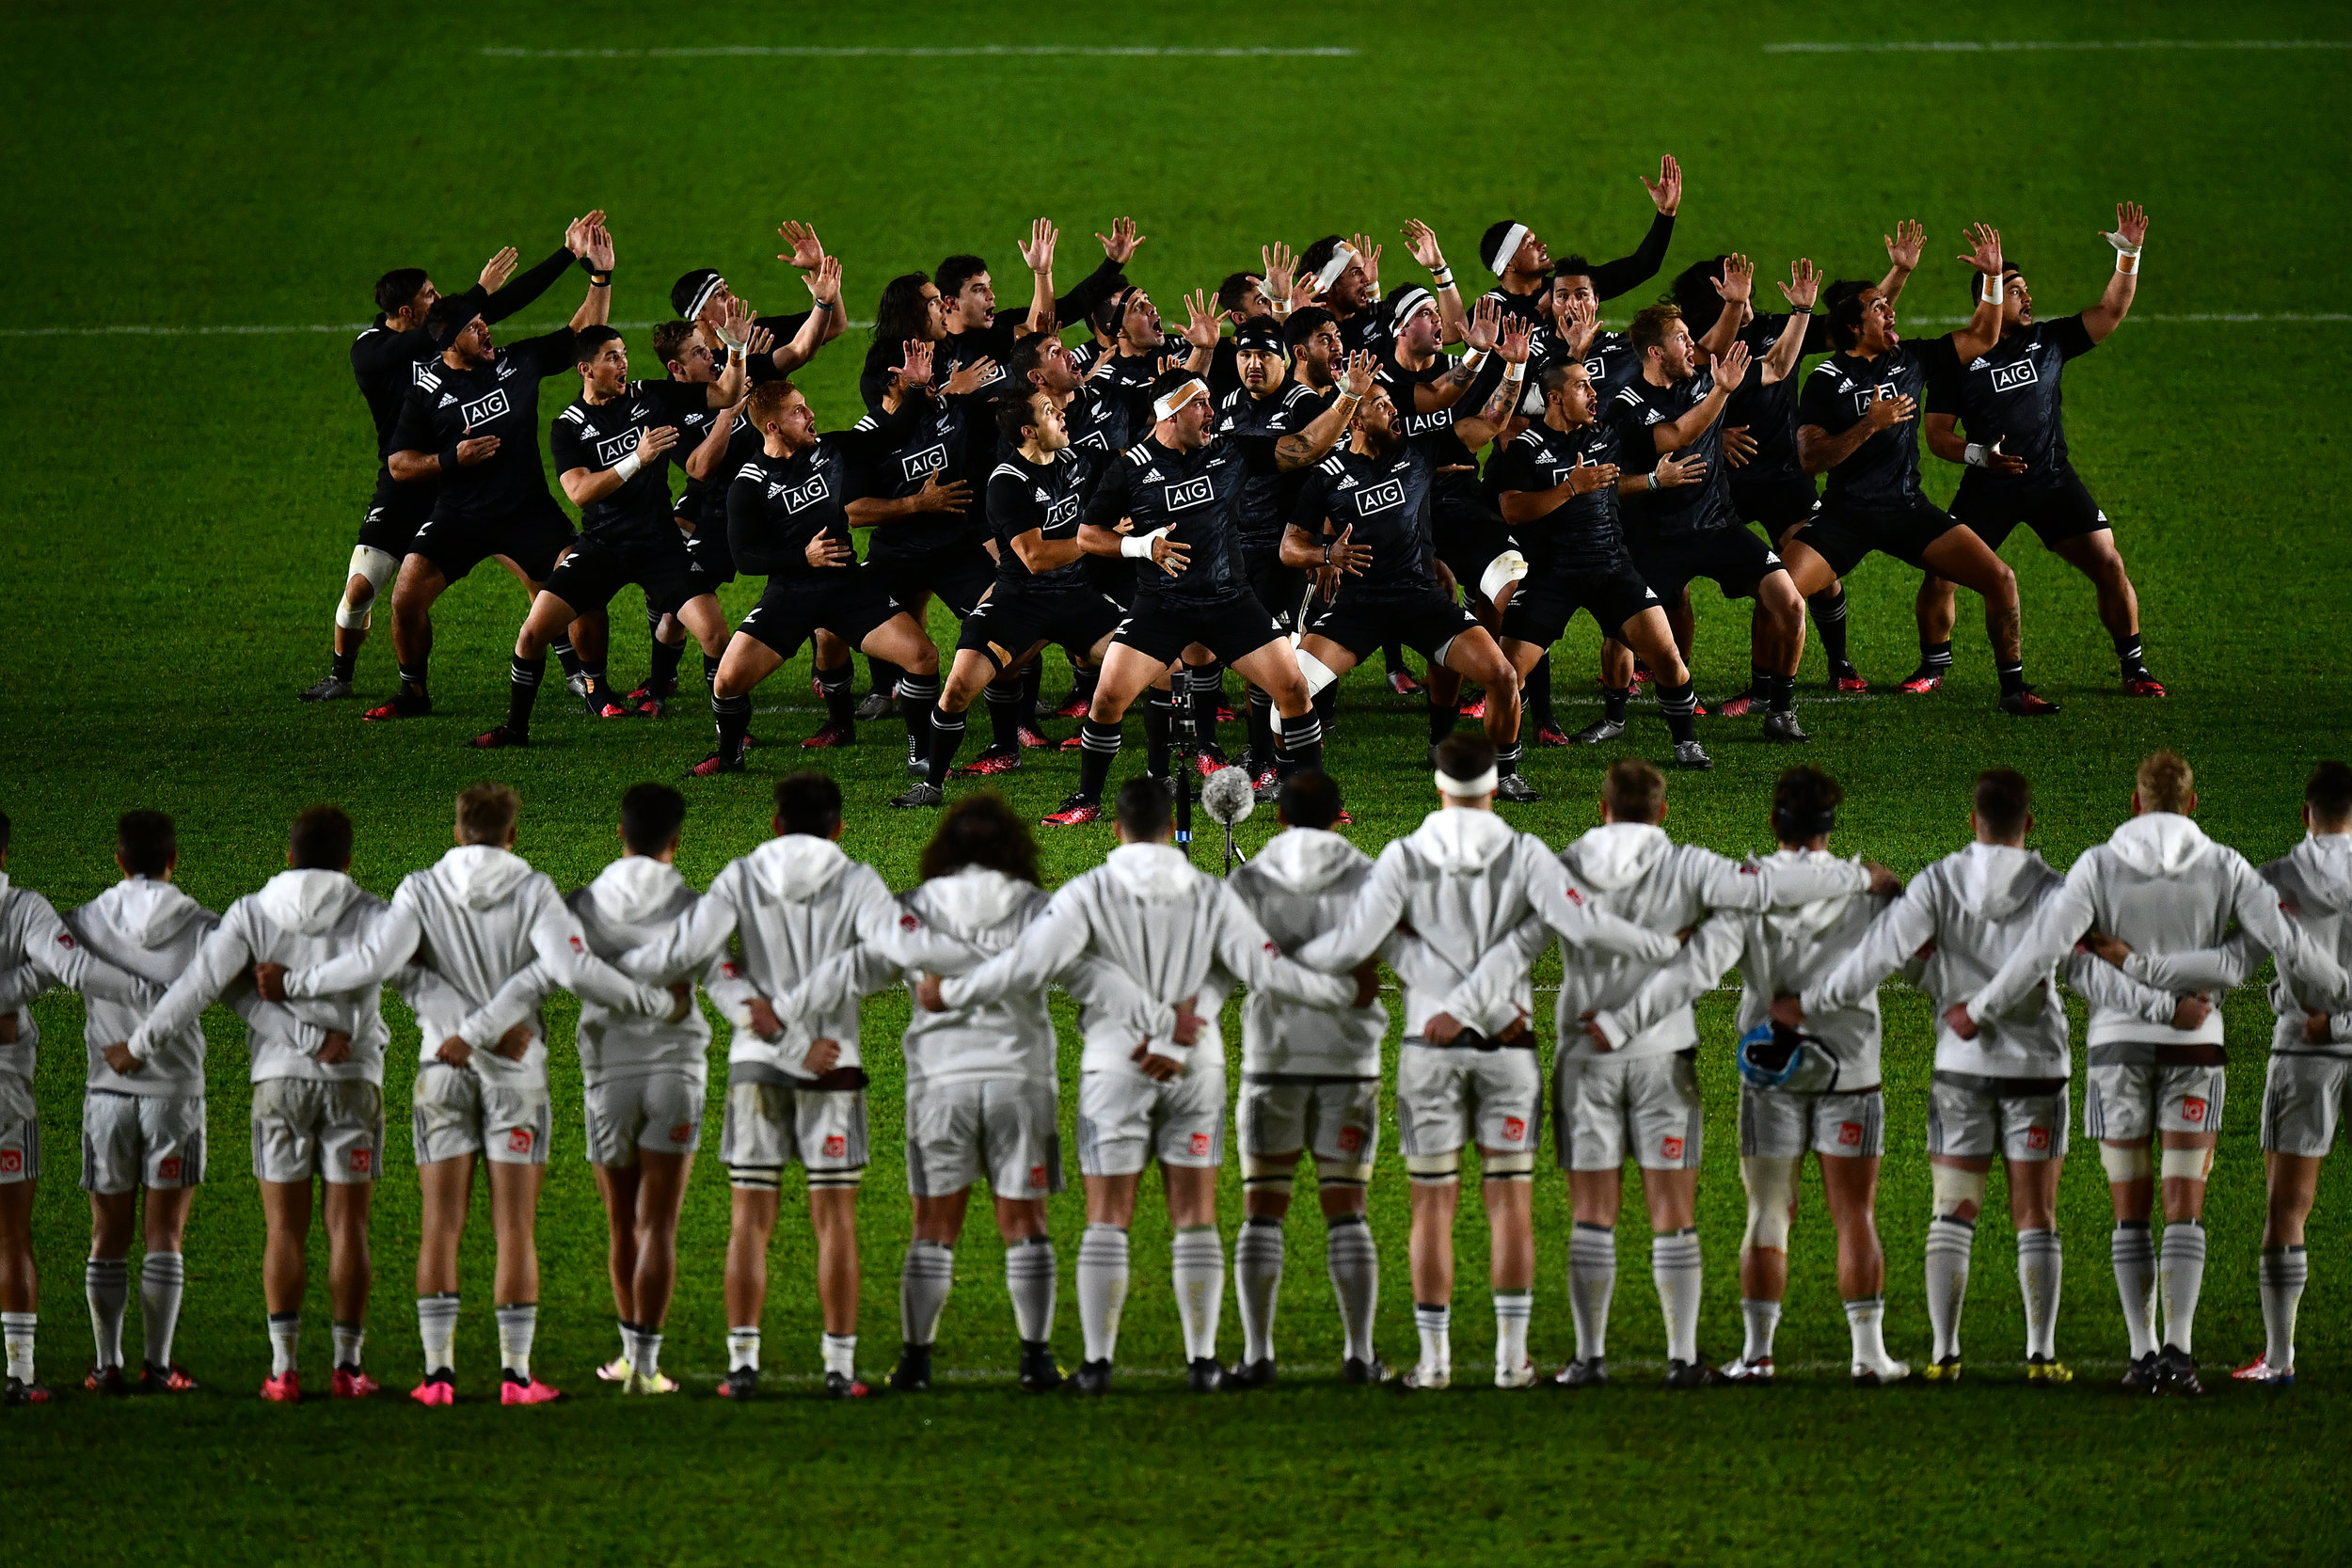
(177, 510)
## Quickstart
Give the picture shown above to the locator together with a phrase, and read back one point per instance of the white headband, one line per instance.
(1466, 789)
(701, 297)
(1177, 398)
(1332, 268)
(1410, 303)
(1513, 238)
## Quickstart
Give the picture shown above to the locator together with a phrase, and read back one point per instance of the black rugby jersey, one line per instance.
(777, 505)
(1883, 474)
(1049, 498)
(1263, 509)
(2011, 395)
(1582, 531)
(498, 397)
(1683, 509)
(385, 363)
(597, 436)
(934, 444)
(1385, 500)
(1768, 414)
(1192, 495)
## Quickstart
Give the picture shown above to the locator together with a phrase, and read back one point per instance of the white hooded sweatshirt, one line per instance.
(1464, 882)
(634, 901)
(478, 917)
(1303, 883)
(297, 918)
(1173, 932)
(38, 950)
(2162, 886)
(1951, 929)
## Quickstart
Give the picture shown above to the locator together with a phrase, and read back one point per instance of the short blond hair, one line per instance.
(486, 812)
(2167, 783)
(1633, 790)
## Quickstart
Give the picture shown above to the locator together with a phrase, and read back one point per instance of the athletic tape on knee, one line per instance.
(1436, 1170)
(1259, 1170)
(1508, 1167)
(2185, 1165)
(1953, 1189)
(1318, 673)
(1339, 1173)
(2125, 1164)
(377, 568)
(820, 1179)
(1769, 1187)
(758, 1178)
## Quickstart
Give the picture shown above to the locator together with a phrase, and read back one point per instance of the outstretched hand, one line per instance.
(1120, 243)
(1804, 286)
(802, 247)
(1904, 246)
(1666, 190)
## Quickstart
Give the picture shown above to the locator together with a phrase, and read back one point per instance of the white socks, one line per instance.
(1435, 1324)
(1102, 1288)
(1865, 1322)
(1354, 1263)
(436, 1325)
(1591, 1281)
(2284, 1272)
(1513, 1308)
(518, 1324)
(2182, 1273)
(162, 1279)
(743, 1349)
(17, 1329)
(840, 1351)
(285, 1338)
(1029, 1281)
(1762, 1318)
(641, 1347)
(1949, 1243)
(107, 1282)
(350, 1343)
(929, 1274)
(1257, 1280)
(2135, 1254)
(1196, 1259)
(2039, 1266)
(1674, 1269)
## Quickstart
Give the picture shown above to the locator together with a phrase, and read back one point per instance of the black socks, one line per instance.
(522, 690)
(1829, 621)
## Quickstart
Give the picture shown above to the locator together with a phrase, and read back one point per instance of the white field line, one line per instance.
(985, 50)
(1977, 46)
(271, 331)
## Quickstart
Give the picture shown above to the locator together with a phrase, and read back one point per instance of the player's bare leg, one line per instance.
(642, 1205)
(1771, 1188)
(514, 1291)
(1508, 1189)
(1959, 555)
(1020, 1225)
(751, 1221)
(1850, 1188)
(445, 1187)
(2293, 1180)
(19, 1292)
(414, 591)
(2094, 555)
(286, 1212)
(1265, 1204)
(1650, 636)
(833, 1217)
(1824, 598)
(113, 1220)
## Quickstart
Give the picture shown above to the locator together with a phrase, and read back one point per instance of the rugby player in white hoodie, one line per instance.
(1310, 1080)
(2161, 886)
(1620, 1098)
(477, 919)
(2004, 1091)
(37, 951)
(1820, 1093)
(1182, 939)
(982, 1094)
(1464, 881)
(2310, 1078)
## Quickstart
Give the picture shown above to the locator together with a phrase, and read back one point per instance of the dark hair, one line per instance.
(1845, 310)
(1649, 326)
(955, 272)
(1491, 241)
(486, 813)
(4, 832)
(144, 841)
(1633, 790)
(1142, 807)
(1318, 255)
(1975, 281)
(452, 314)
(2328, 794)
(321, 840)
(1015, 415)
(670, 339)
(2004, 800)
(1556, 374)
(1465, 754)
(1804, 804)
(589, 341)
(1693, 289)
(982, 830)
(1027, 356)
(1305, 323)
(1572, 265)
(1236, 288)
(1310, 799)
(1112, 314)
(808, 803)
(651, 815)
(899, 313)
(398, 287)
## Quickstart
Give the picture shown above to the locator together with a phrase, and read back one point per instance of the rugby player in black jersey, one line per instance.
(1999, 414)
(384, 359)
(977, 330)
(1140, 342)
(787, 522)
(610, 450)
(1675, 407)
(701, 297)
(1175, 491)
(471, 421)
(1344, 276)
(1363, 513)
(1853, 421)
(1035, 498)
(1522, 263)
(1558, 483)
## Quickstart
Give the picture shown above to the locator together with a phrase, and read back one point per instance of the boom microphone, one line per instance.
(1228, 797)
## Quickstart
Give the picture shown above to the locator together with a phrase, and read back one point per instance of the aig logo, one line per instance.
(1191, 493)
(1379, 497)
(1061, 512)
(483, 410)
(1422, 424)
(1863, 396)
(929, 461)
(612, 449)
(2009, 378)
(806, 495)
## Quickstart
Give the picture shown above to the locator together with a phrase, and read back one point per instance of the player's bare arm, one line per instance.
(1903, 248)
(2115, 303)
(1818, 451)
(1984, 331)
(1316, 442)
(1803, 288)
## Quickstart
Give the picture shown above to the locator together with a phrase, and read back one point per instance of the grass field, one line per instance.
(177, 503)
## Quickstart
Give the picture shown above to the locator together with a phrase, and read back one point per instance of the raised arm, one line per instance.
(1611, 278)
(1311, 445)
(1903, 248)
(2131, 229)
(1730, 370)
(596, 309)
(1984, 331)
(1421, 241)
(502, 300)
(1502, 404)
(1803, 288)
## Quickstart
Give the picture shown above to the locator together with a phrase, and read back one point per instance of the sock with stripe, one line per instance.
(17, 1330)
(916, 696)
(1761, 1318)
(1004, 714)
(2012, 676)
(2181, 1270)
(1102, 1288)
(732, 717)
(1614, 700)
(1866, 1325)
(743, 1349)
(1513, 1309)
(1257, 1282)
(2128, 653)
(1592, 1280)
(947, 734)
(412, 677)
(1302, 742)
(1935, 659)
(840, 1354)
(2040, 1263)
(2285, 1270)
(285, 1341)
(1829, 624)
(519, 1326)
(1261, 730)
(1197, 1267)
(1098, 748)
(1207, 685)
(1679, 704)
(1434, 1322)
(565, 656)
(1674, 1269)
(1949, 1239)
(2133, 1252)
(351, 1343)
(162, 1280)
(1351, 1258)
(106, 1283)
(1029, 1280)
(522, 691)
(929, 1274)
(437, 1326)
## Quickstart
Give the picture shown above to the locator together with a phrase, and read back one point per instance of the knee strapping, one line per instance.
(1318, 674)
(1955, 1190)
(2185, 1165)
(1771, 1185)
(377, 568)
(1257, 1171)
(821, 1181)
(1435, 1170)
(1508, 1167)
(1338, 1173)
(2125, 1164)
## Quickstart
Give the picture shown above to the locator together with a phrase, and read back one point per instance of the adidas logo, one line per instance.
(1979, 363)
(1347, 482)
(1652, 416)
(1044, 497)
(1151, 476)
(446, 401)
(1845, 384)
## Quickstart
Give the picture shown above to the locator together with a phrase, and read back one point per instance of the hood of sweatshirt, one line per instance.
(1616, 854)
(2158, 844)
(798, 868)
(2324, 862)
(1305, 860)
(480, 875)
(1461, 842)
(306, 902)
(636, 889)
(975, 899)
(1804, 922)
(1993, 882)
(1155, 873)
(145, 911)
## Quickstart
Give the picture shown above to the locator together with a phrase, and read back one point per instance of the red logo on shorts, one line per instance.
(1850, 1133)
(1200, 1143)
(360, 1160)
(2037, 1137)
(578, 946)
(1670, 1148)
(1037, 1176)
(65, 939)
(1351, 1139)
(169, 1169)
(1574, 897)
(908, 922)
(1514, 1128)
(682, 1132)
(2192, 1109)
(12, 1160)
(835, 1145)
(519, 1140)
(731, 969)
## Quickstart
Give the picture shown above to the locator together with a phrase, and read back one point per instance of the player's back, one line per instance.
(1011, 1037)
(152, 930)
(634, 901)
(1302, 885)
(2162, 886)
